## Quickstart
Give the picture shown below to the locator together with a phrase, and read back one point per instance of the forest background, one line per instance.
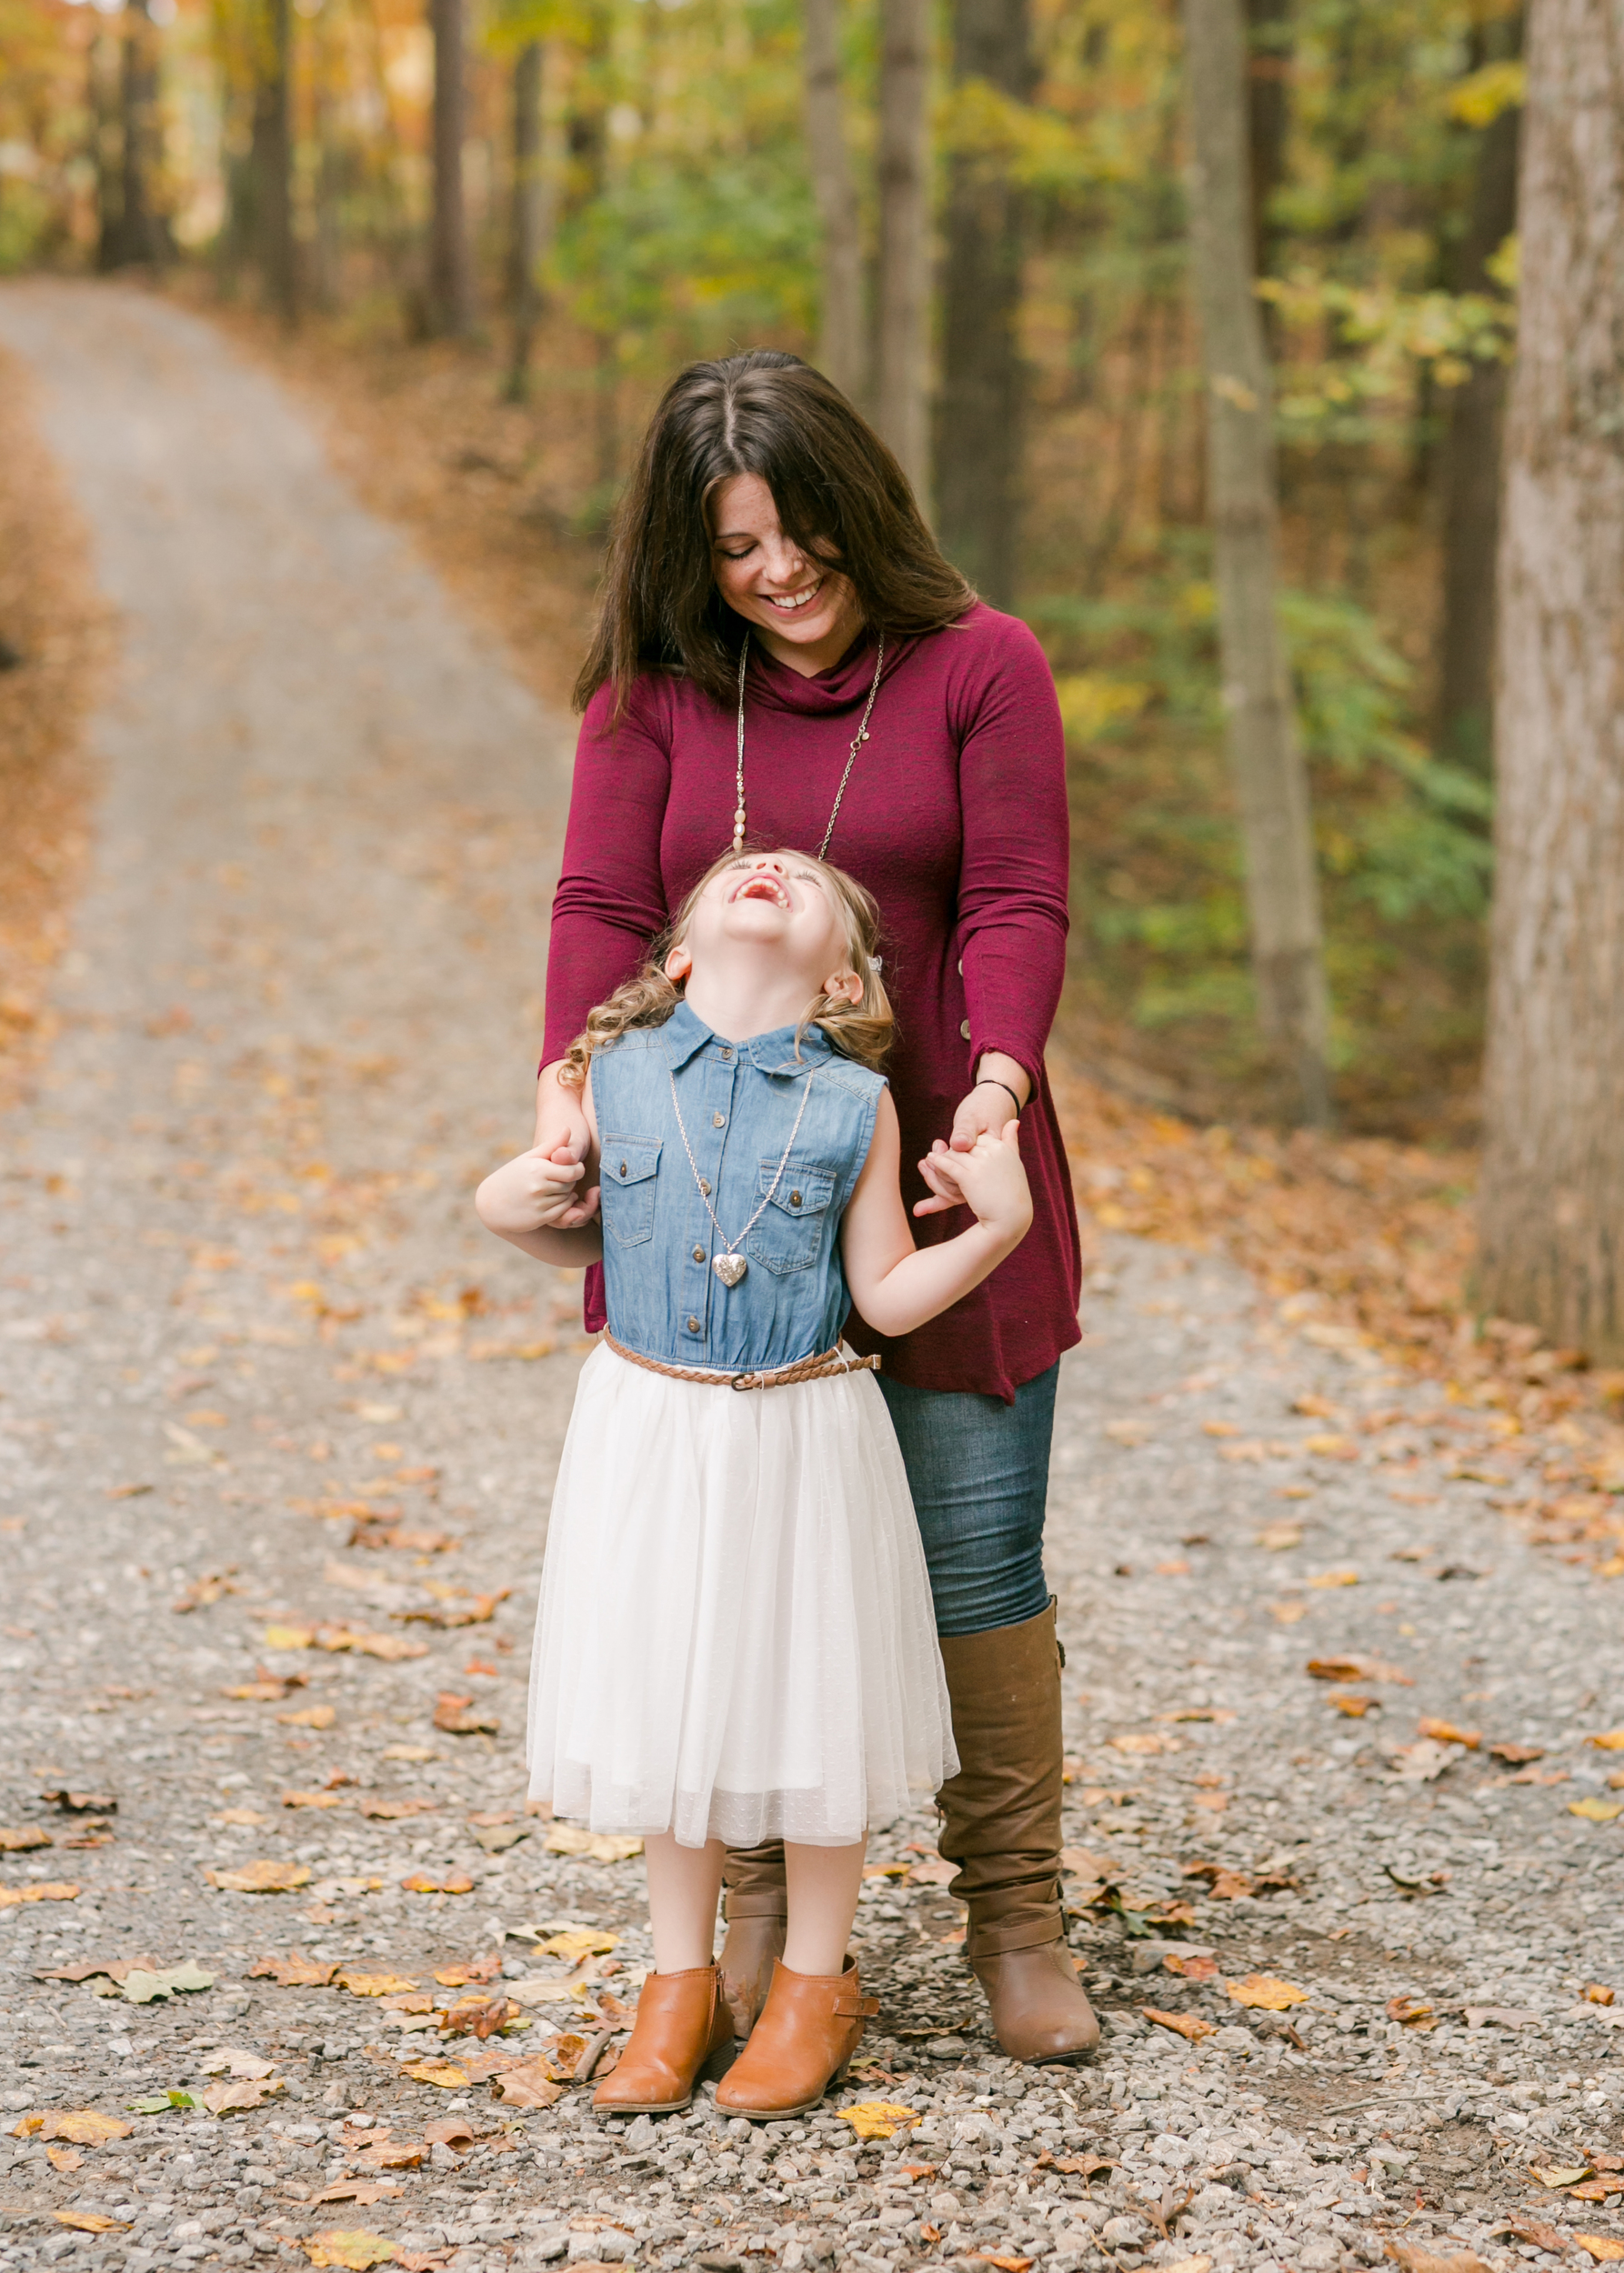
(646, 181)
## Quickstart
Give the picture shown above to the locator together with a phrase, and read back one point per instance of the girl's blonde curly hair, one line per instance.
(862, 1029)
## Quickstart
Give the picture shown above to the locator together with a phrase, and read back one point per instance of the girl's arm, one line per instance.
(534, 1202)
(896, 1286)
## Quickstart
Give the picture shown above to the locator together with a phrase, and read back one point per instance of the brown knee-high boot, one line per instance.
(1002, 1829)
(757, 1908)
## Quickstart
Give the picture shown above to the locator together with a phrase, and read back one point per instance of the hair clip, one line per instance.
(876, 962)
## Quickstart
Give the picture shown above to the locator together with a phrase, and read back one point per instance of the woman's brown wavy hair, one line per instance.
(861, 1029)
(841, 497)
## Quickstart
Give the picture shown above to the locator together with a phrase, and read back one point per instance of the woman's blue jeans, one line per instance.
(979, 1471)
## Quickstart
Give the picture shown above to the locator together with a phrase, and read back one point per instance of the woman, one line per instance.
(784, 657)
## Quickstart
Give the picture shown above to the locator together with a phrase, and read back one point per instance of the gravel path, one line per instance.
(276, 1434)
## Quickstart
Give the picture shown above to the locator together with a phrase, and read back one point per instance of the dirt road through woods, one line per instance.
(276, 1433)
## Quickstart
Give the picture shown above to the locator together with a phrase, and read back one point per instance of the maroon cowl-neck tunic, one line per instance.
(955, 818)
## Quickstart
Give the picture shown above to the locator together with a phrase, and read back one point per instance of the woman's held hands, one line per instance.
(988, 1179)
(537, 1192)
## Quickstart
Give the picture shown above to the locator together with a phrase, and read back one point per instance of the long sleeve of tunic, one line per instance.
(956, 819)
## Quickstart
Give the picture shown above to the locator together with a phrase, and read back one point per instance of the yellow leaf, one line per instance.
(877, 2118)
(310, 1716)
(376, 1983)
(1596, 1810)
(90, 2221)
(421, 1883)
(1609, 1740)
(1446, 1732)
(1265, 1994)
(445, 2073)
(1182, 2024)
(1569, 2177)
(48, 1890)
(86, 2127)
(1602, 2247)
(350, 2247)
(1336, 1579)
(577, 1942)
(603, 1847)
(311, 1799)
(263, 1876)
(288, 1637)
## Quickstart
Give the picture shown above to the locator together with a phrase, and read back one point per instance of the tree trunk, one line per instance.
(139, 236)
(450, 275)
(1553, 1171)
(1469, 472)
(103, 128)
(904, 312)
(273, 151)
(980, 422)
(842, 344)
(1271, 781)
(528, 228)
(1268, 69)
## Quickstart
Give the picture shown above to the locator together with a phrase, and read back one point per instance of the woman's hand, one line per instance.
(983, 1111)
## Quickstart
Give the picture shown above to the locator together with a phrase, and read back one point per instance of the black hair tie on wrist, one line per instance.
(989, 1081)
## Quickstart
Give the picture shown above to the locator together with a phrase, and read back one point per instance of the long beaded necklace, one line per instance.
(729, 1266)
(857, 741)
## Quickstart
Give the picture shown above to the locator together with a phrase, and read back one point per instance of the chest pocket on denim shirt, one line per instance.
(627, 1169)
(789, 1233)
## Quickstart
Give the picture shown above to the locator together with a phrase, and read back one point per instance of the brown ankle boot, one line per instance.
(683, 2027)
(757, 1908)
(807, 2030)
(1002, 1828)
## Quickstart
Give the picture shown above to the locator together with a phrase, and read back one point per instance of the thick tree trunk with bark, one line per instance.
(527, 228)
(273, 155)
(980, 427)
(903, 316)
(1268, 113)
(1553, 1171)
(842, 343)
(1469, 477)
(450, 272)
(1271, 780)
(139, 236)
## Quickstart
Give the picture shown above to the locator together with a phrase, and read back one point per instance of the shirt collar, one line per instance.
(686, 1035)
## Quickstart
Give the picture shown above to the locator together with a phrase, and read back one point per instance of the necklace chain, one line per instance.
(730, 1244)
(857, 741)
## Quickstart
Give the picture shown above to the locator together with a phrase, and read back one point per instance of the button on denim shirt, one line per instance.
(738, 1104)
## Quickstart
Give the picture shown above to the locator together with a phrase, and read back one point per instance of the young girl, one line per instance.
(735, 1639)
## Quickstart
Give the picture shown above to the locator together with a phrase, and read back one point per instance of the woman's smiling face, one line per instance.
(808, 614)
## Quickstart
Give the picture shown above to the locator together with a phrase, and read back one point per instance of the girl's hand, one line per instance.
(537, 1192)
(993, 1185)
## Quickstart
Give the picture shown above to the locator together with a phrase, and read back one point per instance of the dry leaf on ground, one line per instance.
(142, 1985)
(1517, 1755)
(240, 2097)
(1192, 1964)
(454, 1715)
(1182, 2024)
(603, 1847)
(1602, 2247)
(262, 1877)
(228, 2061)
(351, 2248)
(1530, 2229)
(310, 1716)
(375, 1984)
(1597, 1810)
(312, 1799)
(1410, 2012)
(364, 2191)
(1446, 1732)
(295, 1972)
(86, 2127)
(80, 1802)
(528, 2085)
(1609, 1740)
(421, 1883)
(445, 2073)
(1419, 1762)
(91, 2221)
(48, 1890)
(23, 1840)
(878, 2119)
(476, 1971)
(1263, 1993)
(1414, 2260)
(478, 2016)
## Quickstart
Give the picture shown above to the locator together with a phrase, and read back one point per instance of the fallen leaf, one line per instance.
(24, 1841)
(1530, 2229)
(1277, 1538)
(1594, 2190)
(877, 2118)
(1082, 1865)
(1181, 2024)
(1356, 1708)
(1140, 1743)
(289, 1636)
(268, 1692)
(375, 1984)
(421, 1883)
(478, 2016)
(228, 2061)
(1597, 1810)
(1602, 2247)
(142, 1986)
(577, 1942)
(497, 1837)
(86, 2127)
(1265, 1994)
(1609, 1740)
(64, 2158)
(1336, 1579)
(81, 1803)
(354, 2249)
(933, 1872)
(393, 2154)
(1419, 1762)
(455, 2132)
(1596, 1993)
(263, 1876)
(1500, 2017)
(311, 1799)
(453, 1715)
(1188, 2265)
(244, 1816)
(1004, 2263)
(445, 2073)
(364, 2191)
(602, 1847)
(1516, 1755)
(1410, 2012)
(382, 1810)
(1415, 2261)
(295, 1972)
(1446, 1732)
(1287, 1613)
(476, 1969)
(91, 2221)
(241, 2097)
(529, 2086)
(1192, 1966)
(1357, 1669)
(1557, 2176)
(48, 1890)
(310, 1716)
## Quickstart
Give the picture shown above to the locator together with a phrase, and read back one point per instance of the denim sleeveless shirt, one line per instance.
(738, 1104)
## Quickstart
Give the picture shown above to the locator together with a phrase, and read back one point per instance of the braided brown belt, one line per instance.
(817, 1368)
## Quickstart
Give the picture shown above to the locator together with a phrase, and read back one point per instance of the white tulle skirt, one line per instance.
(735, 1638)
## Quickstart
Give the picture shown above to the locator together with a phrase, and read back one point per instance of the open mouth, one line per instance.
(791, 603)
(761, 886)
